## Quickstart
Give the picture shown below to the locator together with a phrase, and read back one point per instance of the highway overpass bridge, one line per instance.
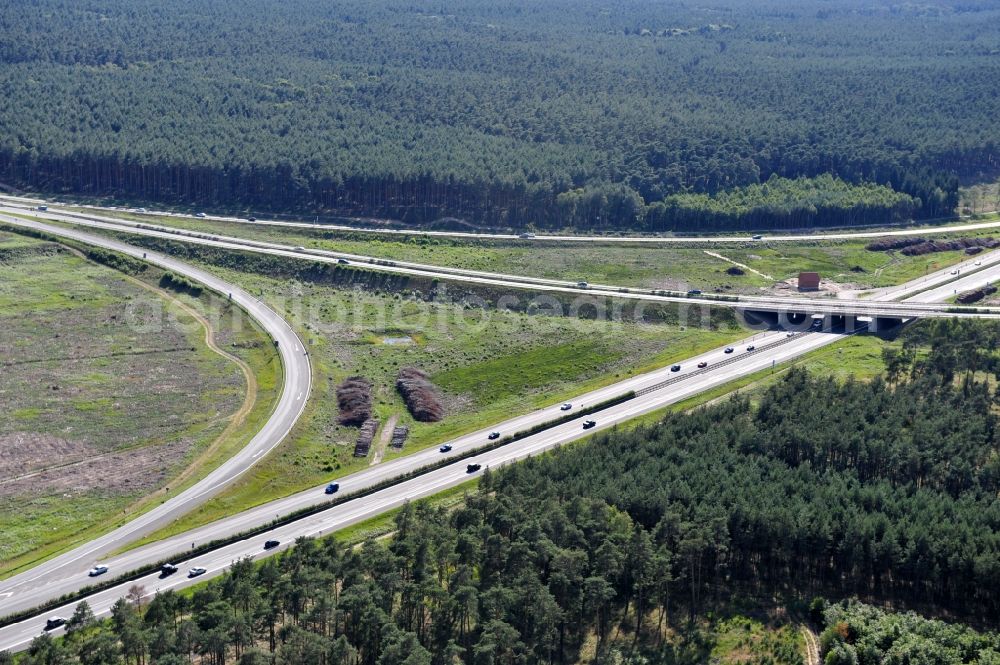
(792, 313)
(846, 315)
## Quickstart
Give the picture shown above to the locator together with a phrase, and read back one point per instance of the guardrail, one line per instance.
(834, 307)
(722, 363)
(309, 511)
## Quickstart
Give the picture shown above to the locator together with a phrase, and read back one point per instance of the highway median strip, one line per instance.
(303, 513)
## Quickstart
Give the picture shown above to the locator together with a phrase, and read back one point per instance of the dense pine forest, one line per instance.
(885, 491)
(624, 115)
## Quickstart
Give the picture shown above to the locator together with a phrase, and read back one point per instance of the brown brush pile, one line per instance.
(921, 246)
(421, 396)
(887, 244)
(354, 400)
(934, 246)
(975, 295)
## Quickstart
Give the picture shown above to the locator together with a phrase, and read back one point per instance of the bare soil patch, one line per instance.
(123, 473)
(26, 452)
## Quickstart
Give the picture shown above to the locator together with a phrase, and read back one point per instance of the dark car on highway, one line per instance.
(167, 569)
(675, 368)
(446, 448)
(493, 436)
(472, 468)
(587, 424)
(54, 622)
(271, 544)
(703, 364)
(332, 488)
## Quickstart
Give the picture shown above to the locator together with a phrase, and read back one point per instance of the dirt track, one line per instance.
(36, 463)
(812, 646)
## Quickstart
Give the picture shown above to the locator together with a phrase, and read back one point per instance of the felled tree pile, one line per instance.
(888, 244)
(921, 246)
(421, 396)
(365, 437)
(975, 295)
(354, 400)
(949, 245)
(399, 435)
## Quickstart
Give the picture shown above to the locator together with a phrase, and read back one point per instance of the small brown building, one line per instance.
(808, 281)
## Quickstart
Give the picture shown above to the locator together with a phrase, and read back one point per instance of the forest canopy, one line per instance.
(884, 490)
(564, 113)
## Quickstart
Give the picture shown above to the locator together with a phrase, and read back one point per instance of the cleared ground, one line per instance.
(489, 366)
(108, 393)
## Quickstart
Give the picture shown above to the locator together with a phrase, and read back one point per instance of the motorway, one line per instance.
(656, 390)
(845, 235)
(867, 307)
(297, 381)
(772, 348)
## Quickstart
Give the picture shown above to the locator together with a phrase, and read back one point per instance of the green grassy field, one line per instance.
(489, 365)
(858, 357)
(110, 395)
(659, 266)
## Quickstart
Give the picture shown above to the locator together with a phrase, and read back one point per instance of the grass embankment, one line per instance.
(489, 365)
(111, 395)
(508, 365)
(858, 357)
(652, 266)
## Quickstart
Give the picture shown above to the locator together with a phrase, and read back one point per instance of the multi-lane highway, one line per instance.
(854, 307)
(655, 390)
(845, 235)
(295, 391)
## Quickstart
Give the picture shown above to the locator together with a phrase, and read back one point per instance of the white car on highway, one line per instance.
(196, 571)
(97, 570)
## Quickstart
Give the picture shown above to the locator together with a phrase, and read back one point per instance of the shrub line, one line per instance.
(309, 511)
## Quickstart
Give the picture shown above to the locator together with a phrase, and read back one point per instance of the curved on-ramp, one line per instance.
(652, 392)
(853, 307)
(295, 391)
(967, 224)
